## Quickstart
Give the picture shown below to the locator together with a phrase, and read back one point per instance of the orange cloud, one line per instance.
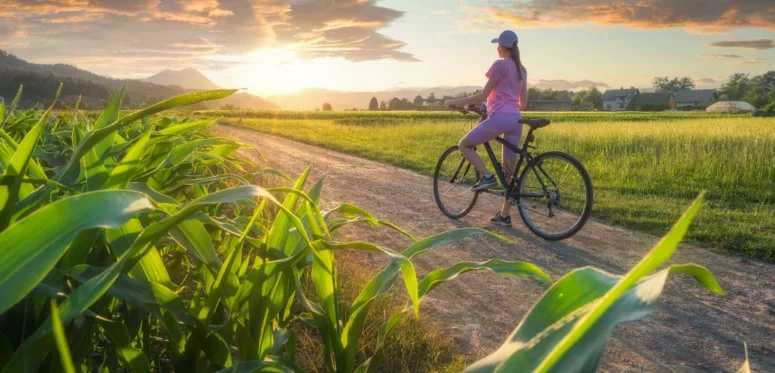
(697, 15)
(122, 37)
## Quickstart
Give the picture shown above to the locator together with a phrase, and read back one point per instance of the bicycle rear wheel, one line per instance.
(559, 196)
(452, 179)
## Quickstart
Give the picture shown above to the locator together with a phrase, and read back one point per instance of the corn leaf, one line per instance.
(564, 305)
(94, 137)
(143, 293)
(663, 250)
(122, 174)
(30, 248)
(11, 179)
(129, 356)
(61, 340)
(88, 293)
(186, 127)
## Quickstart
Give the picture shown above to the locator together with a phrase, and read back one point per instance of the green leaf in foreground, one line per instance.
(30, 248)
(656, 257)
(581, 310)
(61, 340)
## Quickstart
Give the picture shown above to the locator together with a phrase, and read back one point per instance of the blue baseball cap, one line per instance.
(507, 39)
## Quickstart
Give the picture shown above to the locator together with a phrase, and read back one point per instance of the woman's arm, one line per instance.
(523, 97)
(475, 99)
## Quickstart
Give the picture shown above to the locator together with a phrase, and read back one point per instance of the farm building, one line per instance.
(652, 102)
(585, 106)
(695, 98)
(730, 107)
(618, 99)
(548, 105)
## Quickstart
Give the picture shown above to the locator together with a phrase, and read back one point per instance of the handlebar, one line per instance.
(471, 109)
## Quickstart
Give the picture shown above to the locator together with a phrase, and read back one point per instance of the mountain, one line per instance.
(188, 78)
(313, 98)
(42, 80)
(192, 79)
(139, 93)
(244, 100)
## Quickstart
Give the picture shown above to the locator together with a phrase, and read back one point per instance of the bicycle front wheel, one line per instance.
(556, 196)
(452, 179)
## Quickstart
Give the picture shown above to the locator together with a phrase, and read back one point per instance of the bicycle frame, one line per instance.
(524, 156)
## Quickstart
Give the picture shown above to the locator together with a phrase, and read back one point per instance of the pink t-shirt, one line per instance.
(504, 97)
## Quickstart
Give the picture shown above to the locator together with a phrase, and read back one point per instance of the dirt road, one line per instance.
(692, 330)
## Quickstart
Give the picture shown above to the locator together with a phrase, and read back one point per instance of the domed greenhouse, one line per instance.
(731, 107)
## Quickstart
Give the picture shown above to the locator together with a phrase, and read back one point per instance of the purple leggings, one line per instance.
(499, 123)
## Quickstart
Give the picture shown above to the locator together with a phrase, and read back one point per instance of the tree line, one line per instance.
(758, 90)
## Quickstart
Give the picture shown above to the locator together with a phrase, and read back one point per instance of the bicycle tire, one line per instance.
(440, 168)
(585, 212)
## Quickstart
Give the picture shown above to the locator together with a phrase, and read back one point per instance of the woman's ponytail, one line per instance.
(515, 57)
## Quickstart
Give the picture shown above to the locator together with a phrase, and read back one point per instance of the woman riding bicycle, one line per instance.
(506, 94)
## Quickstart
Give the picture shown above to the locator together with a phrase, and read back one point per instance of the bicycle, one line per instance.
(547, 210)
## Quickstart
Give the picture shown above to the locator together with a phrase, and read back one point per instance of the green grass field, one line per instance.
(645, 167)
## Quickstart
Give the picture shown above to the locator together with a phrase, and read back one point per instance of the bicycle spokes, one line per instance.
(555, 196)
(453, 178)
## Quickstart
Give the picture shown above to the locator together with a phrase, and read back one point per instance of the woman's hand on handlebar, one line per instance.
(463, 109)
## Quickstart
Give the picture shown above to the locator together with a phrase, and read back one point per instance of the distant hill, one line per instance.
(244, 101)
(42, 80)
(188, 78)
(312, 98)
(139, 93)
(192, 79)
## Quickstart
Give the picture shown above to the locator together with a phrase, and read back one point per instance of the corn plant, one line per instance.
(138, 242)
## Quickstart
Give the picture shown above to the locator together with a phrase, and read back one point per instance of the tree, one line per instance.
(576, 101)
(768, 80)
(373, 104)
(418, 101)
(667, 85)
(758, 97)
(595, 97)
(327, 107)
(394, 104)
(736, 87)
(383, 105)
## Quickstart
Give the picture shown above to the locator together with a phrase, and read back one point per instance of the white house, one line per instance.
(618, 99)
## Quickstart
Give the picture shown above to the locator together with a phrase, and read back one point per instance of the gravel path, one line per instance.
(691, 331)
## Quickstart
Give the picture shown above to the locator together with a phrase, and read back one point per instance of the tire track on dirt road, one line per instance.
(692, 330)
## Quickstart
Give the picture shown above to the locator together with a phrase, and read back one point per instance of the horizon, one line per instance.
(282, 47)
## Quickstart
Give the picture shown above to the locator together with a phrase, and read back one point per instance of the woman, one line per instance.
(506, 93)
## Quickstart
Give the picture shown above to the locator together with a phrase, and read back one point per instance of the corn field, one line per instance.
(138, 243)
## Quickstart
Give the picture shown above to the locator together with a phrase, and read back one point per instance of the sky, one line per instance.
(281, 46)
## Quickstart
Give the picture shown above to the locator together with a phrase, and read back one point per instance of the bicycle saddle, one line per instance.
(535, 123)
